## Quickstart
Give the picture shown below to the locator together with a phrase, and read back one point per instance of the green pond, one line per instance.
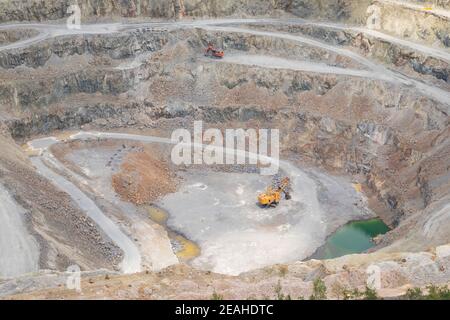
(355, 237)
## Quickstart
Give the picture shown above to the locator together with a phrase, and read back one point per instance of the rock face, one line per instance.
(116, 46)
(330, 10)
(404, 58)
(64, 234)
(10, 36)
(391, 274)
(17, 10)
(414, 24)
(21, 10)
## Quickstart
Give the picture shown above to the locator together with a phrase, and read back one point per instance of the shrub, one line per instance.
(370, 294)
(280, 295)
(414, 294)
(216, 296)
(319, 290)
(434, 293)
(438, 293)
(367, 294)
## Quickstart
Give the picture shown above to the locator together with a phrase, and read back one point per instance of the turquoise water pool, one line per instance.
(355, 237)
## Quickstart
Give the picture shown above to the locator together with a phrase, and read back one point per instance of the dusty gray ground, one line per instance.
(219, 212)
(19, 250)
(98, 165)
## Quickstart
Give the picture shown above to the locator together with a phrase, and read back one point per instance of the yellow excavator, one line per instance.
(273, 194)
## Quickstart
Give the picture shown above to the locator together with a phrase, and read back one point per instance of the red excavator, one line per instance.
(213, 52)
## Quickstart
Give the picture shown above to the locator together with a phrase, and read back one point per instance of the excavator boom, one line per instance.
(272, 196)
(213, 52)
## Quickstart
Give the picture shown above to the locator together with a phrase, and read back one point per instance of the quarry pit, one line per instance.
(86, 176)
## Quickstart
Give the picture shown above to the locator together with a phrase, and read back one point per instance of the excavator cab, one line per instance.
(269, 198)
(273, 194)
(212, 52)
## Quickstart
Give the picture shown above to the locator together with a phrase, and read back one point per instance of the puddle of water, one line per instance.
(157, 215)
(29, 151)
(188, 250)
(184, 249)
(355, 237)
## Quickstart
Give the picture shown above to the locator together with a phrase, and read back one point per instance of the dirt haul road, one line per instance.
(380, 71)
(131, 262)
(51, 30)
(48, 31)
(270, 62)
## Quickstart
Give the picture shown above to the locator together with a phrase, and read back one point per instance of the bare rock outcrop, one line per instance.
(392, 274)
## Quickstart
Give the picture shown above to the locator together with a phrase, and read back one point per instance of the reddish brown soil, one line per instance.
(143, 178)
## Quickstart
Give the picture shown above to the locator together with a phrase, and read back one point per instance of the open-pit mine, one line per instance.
(92, 94)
